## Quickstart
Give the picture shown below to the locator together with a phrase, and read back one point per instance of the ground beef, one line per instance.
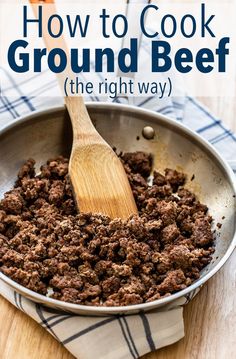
(89, 259)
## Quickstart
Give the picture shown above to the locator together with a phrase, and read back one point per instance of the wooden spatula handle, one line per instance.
(80, 119)
(75, 105)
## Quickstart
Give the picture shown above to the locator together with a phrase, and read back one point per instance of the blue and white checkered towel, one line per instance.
(116, 337)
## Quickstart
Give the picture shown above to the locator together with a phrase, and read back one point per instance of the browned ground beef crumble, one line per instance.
(92, 260)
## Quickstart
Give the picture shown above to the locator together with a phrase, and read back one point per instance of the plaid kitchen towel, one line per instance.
(113, 337)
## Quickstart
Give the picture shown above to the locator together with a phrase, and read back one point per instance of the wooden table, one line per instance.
(210, 319)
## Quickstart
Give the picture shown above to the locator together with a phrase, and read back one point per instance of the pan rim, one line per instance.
(136, 307)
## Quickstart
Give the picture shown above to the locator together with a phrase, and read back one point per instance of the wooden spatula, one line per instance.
(97, 175)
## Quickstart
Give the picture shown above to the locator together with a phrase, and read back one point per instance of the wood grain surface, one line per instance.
(210, 319)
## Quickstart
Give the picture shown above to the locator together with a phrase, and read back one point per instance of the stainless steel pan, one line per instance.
(48, 133)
